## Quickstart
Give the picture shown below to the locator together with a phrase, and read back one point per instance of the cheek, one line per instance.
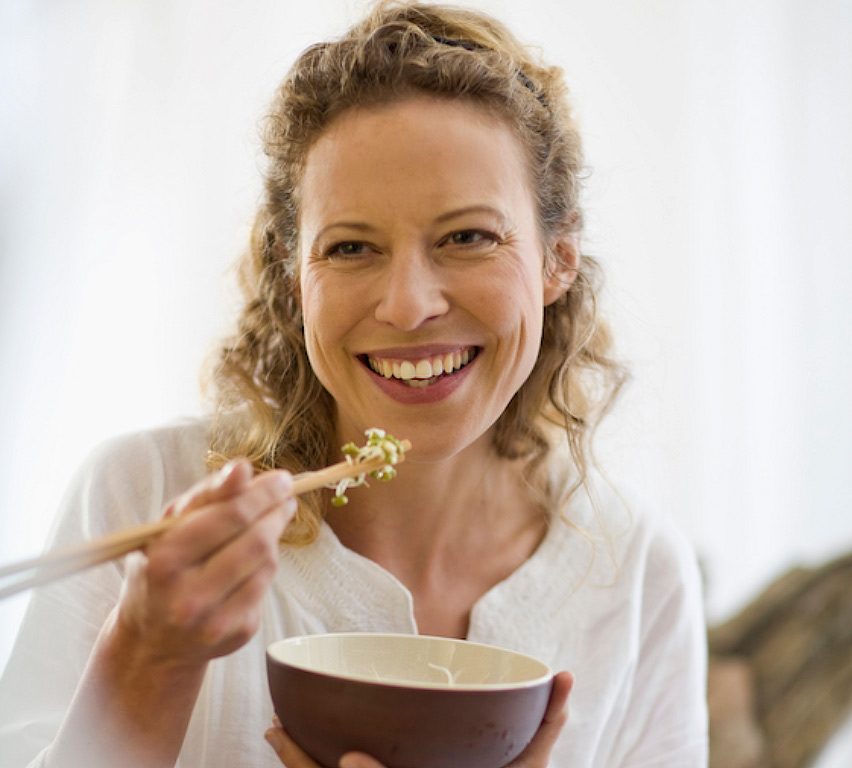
(512, 298)
(317, 299)
(315, 308)
(517, 319)
(328, 311)
(307, 291)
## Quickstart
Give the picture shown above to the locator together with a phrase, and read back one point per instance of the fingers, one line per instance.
(227, 542)
(224, 594)
(292, 756)
(359, 760)
(253, 549)
(196, 594)
(537, 753)
(557, 706)
(229, 480)
(287, 750)
(227, 511)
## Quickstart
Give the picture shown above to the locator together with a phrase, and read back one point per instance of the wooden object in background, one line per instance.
(736, 738)
(796, 641)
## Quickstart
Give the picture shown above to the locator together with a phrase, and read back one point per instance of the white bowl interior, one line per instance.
(414, 660)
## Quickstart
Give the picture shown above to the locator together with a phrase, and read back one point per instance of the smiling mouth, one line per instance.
(424, 371)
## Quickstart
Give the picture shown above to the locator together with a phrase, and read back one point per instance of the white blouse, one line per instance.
(613, 595)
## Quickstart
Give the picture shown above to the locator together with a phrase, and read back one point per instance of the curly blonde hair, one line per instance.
(284, 416)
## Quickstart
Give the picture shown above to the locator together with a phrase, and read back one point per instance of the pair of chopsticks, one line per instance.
(66, 561)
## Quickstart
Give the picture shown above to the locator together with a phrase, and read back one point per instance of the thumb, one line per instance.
(359, 760)
(537, 753)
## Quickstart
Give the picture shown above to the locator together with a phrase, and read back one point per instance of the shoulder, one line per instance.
(126, 479)
(655, 576)
(178, 446)
(659, 550)
(639, 605)
(632, 537)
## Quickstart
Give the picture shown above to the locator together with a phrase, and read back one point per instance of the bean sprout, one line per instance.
(379, 445)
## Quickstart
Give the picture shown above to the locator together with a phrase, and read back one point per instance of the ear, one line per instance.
(561, 264)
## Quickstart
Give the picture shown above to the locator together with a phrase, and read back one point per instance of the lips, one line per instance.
(421, 371)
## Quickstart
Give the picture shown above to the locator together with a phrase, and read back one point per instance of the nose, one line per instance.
(412, 291)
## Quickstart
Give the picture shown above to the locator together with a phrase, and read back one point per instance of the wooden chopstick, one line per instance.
(78, 557)
(97, 554)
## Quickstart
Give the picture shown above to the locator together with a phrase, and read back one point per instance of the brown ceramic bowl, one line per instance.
(410, 701)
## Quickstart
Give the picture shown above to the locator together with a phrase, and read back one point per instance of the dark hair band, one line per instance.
(469, 46)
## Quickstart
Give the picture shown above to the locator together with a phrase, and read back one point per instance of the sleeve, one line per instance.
(119, 485)
(666, 726)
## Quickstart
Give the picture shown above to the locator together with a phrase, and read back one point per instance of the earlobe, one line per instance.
(562, 264)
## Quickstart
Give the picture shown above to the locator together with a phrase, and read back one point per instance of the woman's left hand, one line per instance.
(536, 755)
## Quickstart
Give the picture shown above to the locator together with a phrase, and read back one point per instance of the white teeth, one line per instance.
(419, 373)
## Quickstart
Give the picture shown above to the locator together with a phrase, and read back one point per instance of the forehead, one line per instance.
(422, 151)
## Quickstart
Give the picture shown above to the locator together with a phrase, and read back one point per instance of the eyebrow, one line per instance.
(444, 217)
(358, 225)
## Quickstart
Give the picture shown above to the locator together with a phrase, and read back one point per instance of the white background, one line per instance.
(719, 139)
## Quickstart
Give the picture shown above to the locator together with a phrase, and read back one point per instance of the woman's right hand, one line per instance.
(195, 593)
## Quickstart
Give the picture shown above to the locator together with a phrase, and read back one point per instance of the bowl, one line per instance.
(410, 701)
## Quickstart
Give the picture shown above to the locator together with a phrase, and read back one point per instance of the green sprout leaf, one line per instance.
(379, 445)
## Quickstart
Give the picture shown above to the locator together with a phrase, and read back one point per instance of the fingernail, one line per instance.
(349, 761)
(225, 471)
(283, 481)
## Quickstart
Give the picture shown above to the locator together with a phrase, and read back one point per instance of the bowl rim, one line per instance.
(545, 677)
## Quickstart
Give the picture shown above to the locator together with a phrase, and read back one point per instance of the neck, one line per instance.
(435, 511)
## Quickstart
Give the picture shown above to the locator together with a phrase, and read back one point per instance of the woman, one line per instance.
(415, 267)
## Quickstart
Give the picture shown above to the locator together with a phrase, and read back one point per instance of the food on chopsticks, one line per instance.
(376, 458)
(379, 445)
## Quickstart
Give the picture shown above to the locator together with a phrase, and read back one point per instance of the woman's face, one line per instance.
(421, 274)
